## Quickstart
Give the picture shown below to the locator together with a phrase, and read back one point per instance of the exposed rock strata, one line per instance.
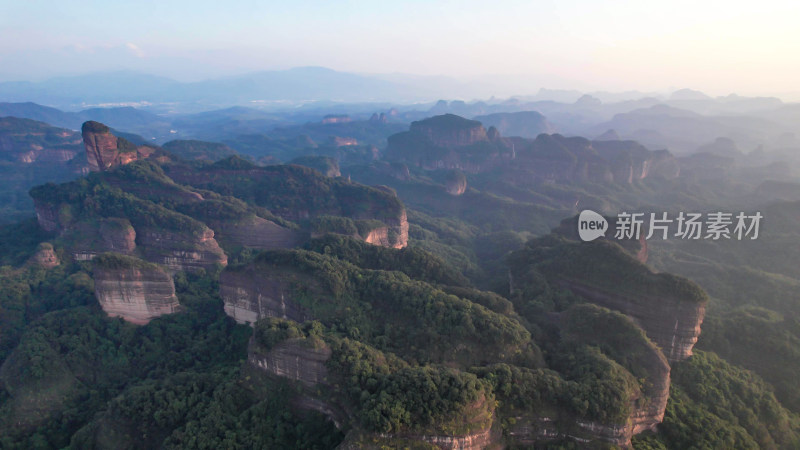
(138, 292)
(257, 232)
(671, 323)
(179, 251)
(452, 142)
(45, 256)
(450, 130)
(248, 298)
(295, 359)
(105, 151)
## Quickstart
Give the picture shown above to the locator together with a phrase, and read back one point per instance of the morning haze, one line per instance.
(422, 224)
(510, 48)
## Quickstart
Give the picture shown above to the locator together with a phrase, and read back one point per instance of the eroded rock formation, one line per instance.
(248, 297)
(45, 256)
(295, 359)
(133, 289)
(105, 151)
(672, 322)
(180, 251)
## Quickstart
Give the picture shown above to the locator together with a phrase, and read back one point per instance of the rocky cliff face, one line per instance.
(180, 251)
(295, 359)
(669, 309)
(381, 236)
(249, 298)
(45, 256)
(132, 289)
(189, 249)
(105, 151)
(28, 141)
(46, 216)
(257, 232)
(456, 183)
(452, 142)
(672, 323)
(85, 240)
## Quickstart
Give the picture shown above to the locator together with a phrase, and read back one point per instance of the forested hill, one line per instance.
(435, 296)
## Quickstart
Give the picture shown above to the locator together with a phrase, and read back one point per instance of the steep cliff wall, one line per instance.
(249, 298)
(295, 359)
(395, 235)
(45, 256)
(257, 232)
(455, 183)
(181, 251)
(133, 289)
(105, 151)
(671, 322)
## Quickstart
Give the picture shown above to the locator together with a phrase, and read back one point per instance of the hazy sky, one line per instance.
(716, 46)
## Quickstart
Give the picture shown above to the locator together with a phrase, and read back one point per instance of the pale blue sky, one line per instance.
(717, 46)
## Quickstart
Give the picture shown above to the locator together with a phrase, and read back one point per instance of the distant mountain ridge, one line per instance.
(297, 84)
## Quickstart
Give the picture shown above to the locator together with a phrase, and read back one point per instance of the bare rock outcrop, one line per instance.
(45, 256)
(257, 232)
(249, 298)
(670, 321)
(133, 289)
(455, 183)
(181, 251)
(105, 151)
(296, 359)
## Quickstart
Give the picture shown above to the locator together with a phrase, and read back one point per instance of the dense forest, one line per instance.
(488, 322)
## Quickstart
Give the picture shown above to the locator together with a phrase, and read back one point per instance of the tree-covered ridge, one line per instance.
(91, 126)
(22, 134)
(414, 262)
(388, 394)
(446, 122)
(90, 197)
(292, 191)
(406, 399)
(717, 405)
(391, 311)
(81, 379)
(601, 263)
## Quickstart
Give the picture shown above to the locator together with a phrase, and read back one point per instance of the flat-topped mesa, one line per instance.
(105, 151)
(301, 194)
(450, 130)
(449, 142)
(93, 217)
(670, 309)
(133, 289)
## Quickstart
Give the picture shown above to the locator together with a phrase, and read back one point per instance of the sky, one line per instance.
(719, 47)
